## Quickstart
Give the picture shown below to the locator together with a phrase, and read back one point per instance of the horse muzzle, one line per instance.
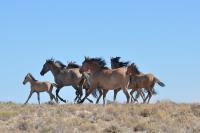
(42, 73)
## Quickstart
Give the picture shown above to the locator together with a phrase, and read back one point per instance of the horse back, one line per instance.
(112, 78)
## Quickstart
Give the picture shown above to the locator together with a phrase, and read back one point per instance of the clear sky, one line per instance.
(161, 37)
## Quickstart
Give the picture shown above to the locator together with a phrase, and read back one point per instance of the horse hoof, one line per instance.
(80, 102)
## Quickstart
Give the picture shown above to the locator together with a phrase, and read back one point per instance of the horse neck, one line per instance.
(31, 81)
(55, 70)
(115, 66)
(94, 70)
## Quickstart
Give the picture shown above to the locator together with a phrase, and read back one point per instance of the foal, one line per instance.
(139, 81)
(116, 63)
(37, 86)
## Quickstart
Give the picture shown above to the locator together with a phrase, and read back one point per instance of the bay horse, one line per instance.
(146, 81)
(104, 78)
(37, 86)
(63, 76)
(116, 63)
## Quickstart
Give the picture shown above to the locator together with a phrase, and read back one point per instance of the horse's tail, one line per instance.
(159, 82)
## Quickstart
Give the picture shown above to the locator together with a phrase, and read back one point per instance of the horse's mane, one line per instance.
(72, 65)
(119, 63)
(60, 64)
(100, 61)
(135, 68)
(32, 77)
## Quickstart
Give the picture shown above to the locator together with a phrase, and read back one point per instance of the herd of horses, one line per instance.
(95, 78)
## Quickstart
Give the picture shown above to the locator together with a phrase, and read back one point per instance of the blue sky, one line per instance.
(161, 37)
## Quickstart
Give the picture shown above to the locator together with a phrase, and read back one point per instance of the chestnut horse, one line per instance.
(105, 78)
(139, 81)
(116, 63)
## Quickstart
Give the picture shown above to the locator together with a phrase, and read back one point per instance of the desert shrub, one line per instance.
(196, 110)
(112, 129)
(23, 125)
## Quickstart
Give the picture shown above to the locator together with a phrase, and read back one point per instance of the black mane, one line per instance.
(115, 62)
(135, 68)
(72, 65)
(116, 59)
(60, 64)
(100, 61)
(32, 77)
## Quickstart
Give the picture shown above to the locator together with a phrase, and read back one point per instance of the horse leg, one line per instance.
(57, 96)
(88, 93)
(127, 94)
(52, 95)
(79, 93)
(104, 96)
(142, 95)
(31, 93)
(131, 93)
(38, 96)
(88, 98)
(146, 97)
(115, 94)
(100, 95)
(150, 95)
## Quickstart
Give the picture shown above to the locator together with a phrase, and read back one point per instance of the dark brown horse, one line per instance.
(146, 81)
(105, 78)
(63, 76)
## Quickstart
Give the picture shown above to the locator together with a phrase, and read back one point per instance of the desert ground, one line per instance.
(161, 117)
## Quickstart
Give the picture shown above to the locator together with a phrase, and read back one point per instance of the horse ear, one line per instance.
(29, 74)
(86, 57)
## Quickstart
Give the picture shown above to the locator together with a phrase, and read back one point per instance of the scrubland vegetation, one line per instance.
(160, 117)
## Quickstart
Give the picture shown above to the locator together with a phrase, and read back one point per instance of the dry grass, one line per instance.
(112, 118)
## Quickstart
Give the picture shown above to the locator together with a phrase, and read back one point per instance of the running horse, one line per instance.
(37, 86)
(139, 81)
(104, 78)
(116, 63)
(63, 76)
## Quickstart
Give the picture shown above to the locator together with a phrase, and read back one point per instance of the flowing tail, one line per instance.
(159, 82)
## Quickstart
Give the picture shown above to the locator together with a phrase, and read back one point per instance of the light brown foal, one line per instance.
(139, 81)
(37, 86)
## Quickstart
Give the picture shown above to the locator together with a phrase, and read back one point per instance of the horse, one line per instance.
(63, 76)
(37, 86)
(83, 83)
(116, 63)
(146, 81)
(104, 78)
